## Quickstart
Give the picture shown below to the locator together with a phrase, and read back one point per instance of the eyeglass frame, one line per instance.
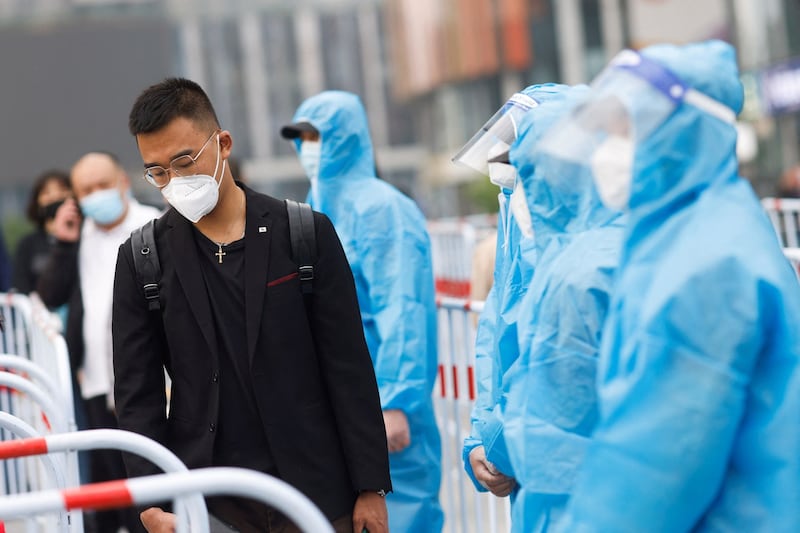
(172, 169)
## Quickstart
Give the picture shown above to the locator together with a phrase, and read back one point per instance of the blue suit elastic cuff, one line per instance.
(469, 445)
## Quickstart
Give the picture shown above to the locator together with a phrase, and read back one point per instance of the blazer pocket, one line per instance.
(282, 279)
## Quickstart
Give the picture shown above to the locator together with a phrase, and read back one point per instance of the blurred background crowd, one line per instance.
(428, 71)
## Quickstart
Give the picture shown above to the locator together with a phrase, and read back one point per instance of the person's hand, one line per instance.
(487, 475)
(67, 222)
(398, 435)
(370, 513)
(156, 520)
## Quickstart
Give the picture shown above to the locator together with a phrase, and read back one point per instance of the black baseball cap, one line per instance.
(293, 131)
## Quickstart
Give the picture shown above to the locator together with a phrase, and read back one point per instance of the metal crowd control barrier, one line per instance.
(32, 332)
(193, 506)
(784, 213)
(453, 241)
(56, 471)
(152, 489)
(32, 347)
(31, 403)
(466, 510)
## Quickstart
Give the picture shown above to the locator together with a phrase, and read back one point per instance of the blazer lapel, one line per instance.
(184, 253)
(258, 231)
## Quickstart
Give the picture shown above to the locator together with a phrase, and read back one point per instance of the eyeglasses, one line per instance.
(184, 165)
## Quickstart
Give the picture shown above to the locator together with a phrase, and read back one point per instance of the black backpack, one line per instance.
(301, 233)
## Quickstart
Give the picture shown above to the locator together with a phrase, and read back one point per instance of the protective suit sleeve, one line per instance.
(672, 395)
(484, 402)
(396, 262)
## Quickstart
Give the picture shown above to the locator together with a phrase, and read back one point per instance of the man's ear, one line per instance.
(225, 144)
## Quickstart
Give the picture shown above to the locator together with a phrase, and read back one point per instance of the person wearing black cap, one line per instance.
(384, 236)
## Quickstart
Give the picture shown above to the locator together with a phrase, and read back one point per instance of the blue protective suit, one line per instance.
(552, 403)
(700, 379)
(496, 339)
(384, 235)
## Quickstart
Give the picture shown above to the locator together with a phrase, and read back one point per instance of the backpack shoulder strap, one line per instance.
(146, 263)
(304, 245)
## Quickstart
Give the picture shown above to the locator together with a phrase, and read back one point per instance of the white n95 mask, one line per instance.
(612, 164)
(194, 196)
(310, 155)
(504, 175)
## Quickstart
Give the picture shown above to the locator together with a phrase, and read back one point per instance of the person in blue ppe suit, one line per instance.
(551, 408)
(700, 373)
(484, 453)
(385, 239)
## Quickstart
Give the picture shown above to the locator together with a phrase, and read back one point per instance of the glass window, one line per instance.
(282, 77)
(341, 52)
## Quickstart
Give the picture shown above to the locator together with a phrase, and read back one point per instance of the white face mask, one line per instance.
(612, 164)
(501, 174)
(194, 196)
(520, 211)
(310, 155)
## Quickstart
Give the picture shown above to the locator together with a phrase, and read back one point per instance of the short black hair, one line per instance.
(32, 211)
(163, 102)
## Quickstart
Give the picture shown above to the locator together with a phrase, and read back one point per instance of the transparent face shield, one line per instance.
(497, 135)
(629, 100)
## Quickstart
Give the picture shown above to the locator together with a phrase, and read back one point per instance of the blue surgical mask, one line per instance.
(104, 206)
(310, 154)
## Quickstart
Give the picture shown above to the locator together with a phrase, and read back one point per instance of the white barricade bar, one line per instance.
(117, 439)
(152, 489)
(466, 510)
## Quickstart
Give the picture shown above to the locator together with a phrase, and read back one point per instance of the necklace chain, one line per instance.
(220, 243)
(220, 253)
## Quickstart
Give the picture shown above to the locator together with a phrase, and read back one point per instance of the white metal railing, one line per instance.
(153, 489)
(784, 214)
(192, 507)
(37, 389)
(466, 510)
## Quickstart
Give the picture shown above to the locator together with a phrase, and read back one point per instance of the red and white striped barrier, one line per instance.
(152, 489)
(55, 472)
(38, 391)
(453, 242)
(193, 506)
(466, 510)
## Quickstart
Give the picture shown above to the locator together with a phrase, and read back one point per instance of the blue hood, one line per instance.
(560, 195)
(342, 123)
(691, 150)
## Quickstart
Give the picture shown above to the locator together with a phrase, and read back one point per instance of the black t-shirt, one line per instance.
(240, 439)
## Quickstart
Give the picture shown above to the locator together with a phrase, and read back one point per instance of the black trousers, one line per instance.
(107, 465)
(248, 516)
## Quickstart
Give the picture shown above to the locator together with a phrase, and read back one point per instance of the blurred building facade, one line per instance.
(430, 72)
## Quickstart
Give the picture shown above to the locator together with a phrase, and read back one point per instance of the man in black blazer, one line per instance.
(261, 378)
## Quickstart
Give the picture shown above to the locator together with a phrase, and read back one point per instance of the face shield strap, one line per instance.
(502, 128)
(670, 85)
